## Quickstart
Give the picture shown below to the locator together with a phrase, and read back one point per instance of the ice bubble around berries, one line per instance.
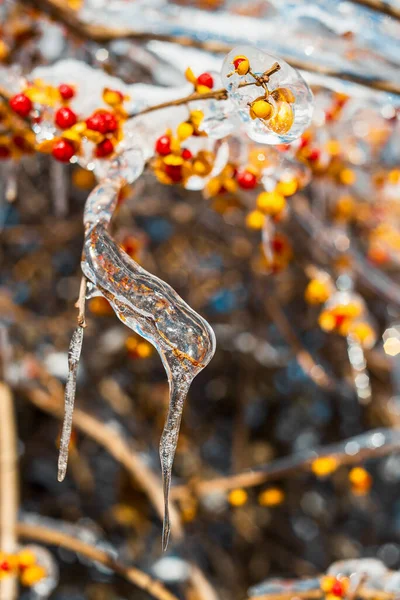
(284, 111)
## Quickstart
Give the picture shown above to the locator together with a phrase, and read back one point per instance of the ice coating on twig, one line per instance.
(74, 354)
(151, 308)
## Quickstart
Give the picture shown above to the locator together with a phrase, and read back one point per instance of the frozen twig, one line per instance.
(74, 354)
(60, 10)
(8, 486)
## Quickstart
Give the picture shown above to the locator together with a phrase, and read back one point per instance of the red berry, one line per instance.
(205, 79)
(4, 152)
(246, 180)
(105, 148)
(163, 145)
(174, 172)
(237, 62)
(63, 150)
(304, 141)
(186, 154)
(314, 154)
(329, 115)
(337, 588)
(5, 566)
(277, 245)
(21, 104)
(20, 142)
(111, 122)
(102, 121)
(66, 91)
(65, 118)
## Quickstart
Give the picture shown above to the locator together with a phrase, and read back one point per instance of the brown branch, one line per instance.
(52, 537)
(220, 94)
(282, 468)
(60, 11)
(380, 6)
(80, 303)
(8, 486)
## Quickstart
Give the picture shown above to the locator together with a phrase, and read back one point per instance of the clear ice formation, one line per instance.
(74, 354)
(242, 94)
(151, 308)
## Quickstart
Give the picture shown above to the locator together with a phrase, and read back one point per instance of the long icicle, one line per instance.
(151, 308)
(74, 354)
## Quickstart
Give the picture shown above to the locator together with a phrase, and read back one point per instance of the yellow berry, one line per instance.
(260, 109)
(344, 208)
(394, 176)
(358, 476)
(32, 575)
(327, 321)
(364, 333)
(255, 220)
(196, 117)
(200, 168)
(213, 187)
(317, 292)
(237, 497)
(271, 203)
(347, 176)
(241, 64)
(173, 160)
(100, 306)
(332, 147)
(284, 94)
(324, 465)
(83, 179)
(283, 119)
(287, 187)
(271, 497)
(327, 583)
(131, 343)
(112, 97)
(144, 349)
(26, 558)
(184, 130)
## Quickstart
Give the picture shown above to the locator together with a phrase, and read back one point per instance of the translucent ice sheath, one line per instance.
(151, 308)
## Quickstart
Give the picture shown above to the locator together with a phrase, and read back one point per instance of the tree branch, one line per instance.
(52, 537)
(60, 11)
(8, 486)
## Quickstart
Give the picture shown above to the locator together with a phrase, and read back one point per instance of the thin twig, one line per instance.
(53, 537)
(220, 94)
(8, 486)
(282, 468)
(380, 6)
(81, 302)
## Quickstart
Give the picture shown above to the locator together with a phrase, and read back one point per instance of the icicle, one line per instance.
(151, 308)
(74, 354)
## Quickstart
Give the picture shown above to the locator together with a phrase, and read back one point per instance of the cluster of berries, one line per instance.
(103, 127)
